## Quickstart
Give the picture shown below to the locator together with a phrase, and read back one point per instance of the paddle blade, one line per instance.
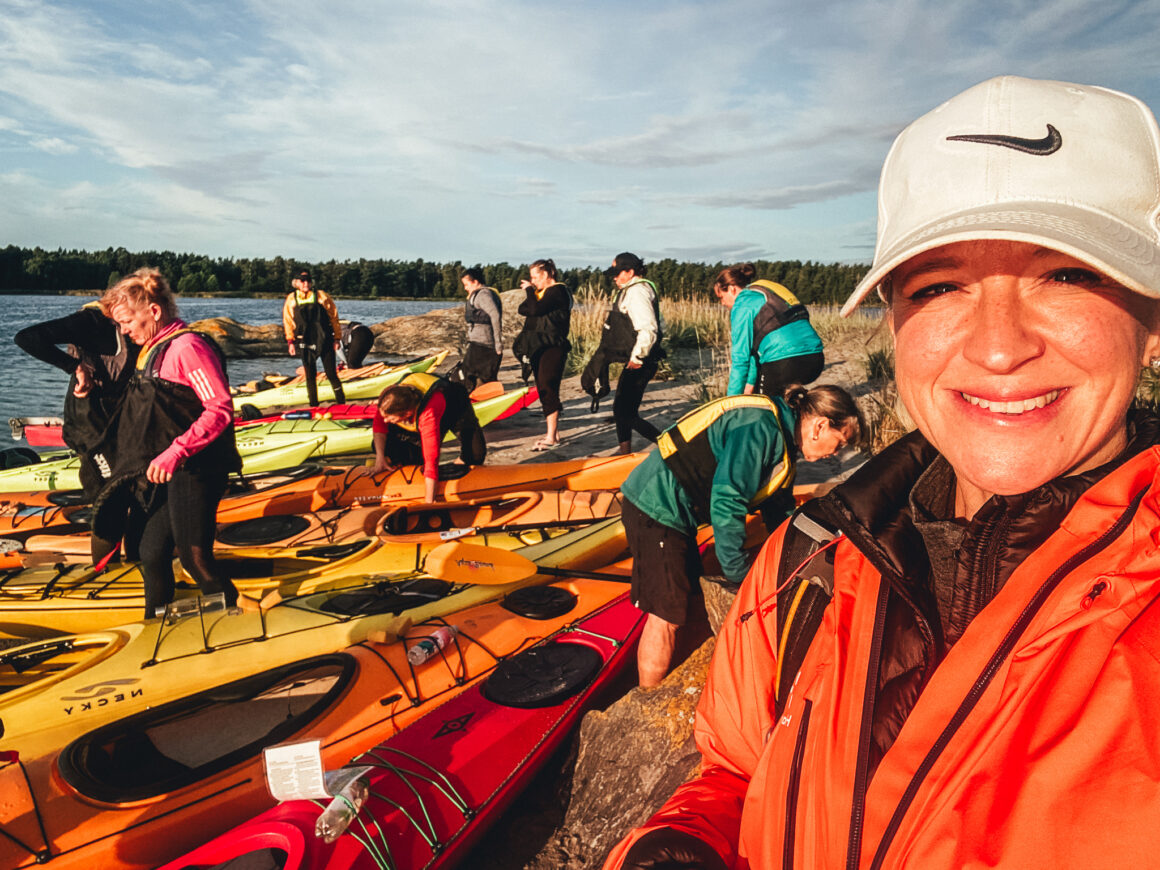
(487, 390)
(457, 562)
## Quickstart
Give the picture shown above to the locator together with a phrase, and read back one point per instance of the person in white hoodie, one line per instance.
(632, 335)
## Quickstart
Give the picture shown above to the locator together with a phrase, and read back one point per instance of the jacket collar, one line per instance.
(872, 507)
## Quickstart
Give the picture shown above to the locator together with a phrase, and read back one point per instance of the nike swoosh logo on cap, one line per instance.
(1049, 144)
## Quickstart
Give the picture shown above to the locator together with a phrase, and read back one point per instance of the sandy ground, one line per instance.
(584, 433)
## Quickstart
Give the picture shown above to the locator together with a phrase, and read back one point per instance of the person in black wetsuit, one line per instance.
(310, 321)
(174, 438)
(100, 361)
(543, 345)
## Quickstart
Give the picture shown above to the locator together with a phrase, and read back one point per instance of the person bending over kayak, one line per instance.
(715, 465)
(413, 417)
(174, 440)
(357, 341)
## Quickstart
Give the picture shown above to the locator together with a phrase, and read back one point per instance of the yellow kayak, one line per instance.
(56, 599)
(59, 688)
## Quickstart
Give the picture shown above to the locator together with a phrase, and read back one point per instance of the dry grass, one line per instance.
(689, 322)
(697, 340)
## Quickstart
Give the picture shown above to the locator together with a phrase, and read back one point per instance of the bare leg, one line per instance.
(655, 652)
(625, 447)
(553, 421)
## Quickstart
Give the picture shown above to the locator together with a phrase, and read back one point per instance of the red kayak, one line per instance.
(356, 412)
(438, 784)
(46, 431)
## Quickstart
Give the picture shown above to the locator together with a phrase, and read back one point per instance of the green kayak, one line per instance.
(294, 395)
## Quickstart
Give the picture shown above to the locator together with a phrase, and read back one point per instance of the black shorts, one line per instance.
(666, 566)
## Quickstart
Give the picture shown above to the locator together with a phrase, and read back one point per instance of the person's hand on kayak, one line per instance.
(382, 465)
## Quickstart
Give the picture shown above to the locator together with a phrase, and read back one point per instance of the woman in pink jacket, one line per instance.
(175, 437)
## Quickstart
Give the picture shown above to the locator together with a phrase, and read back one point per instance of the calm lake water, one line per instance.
(29, 387)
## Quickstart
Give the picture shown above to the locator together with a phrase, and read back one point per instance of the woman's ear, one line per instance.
(1151, 345)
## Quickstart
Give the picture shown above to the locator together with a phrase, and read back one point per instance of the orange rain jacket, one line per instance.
(1035, 743)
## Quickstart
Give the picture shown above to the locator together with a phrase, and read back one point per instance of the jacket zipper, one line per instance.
(795, 778)
(861, 772)
(991, 669)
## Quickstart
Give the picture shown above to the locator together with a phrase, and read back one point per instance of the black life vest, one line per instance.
(312, 321)
(618, 337)
(154, 412)
(542, 331)
(472, 314)
(685, 449)
(781, 308)
(87, 417)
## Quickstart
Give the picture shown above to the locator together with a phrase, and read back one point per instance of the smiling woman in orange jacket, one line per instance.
(981, 687)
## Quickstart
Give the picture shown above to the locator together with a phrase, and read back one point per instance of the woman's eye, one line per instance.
(932, 290)
(1075, 275)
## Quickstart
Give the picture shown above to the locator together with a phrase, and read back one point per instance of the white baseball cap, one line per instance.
(1074, 168)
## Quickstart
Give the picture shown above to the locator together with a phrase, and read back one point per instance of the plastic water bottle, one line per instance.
(341, 810)
(431, 644)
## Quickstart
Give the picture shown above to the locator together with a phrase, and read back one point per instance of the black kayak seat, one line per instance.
(543, 676)
(540, 602)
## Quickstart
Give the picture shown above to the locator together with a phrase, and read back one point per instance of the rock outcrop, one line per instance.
(409, 335)
(625, 762)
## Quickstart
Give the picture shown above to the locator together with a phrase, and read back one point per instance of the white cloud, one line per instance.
(492, 129)
(53, 145)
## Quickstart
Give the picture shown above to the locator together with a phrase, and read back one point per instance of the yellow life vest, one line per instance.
(426, 384)
(149, 350)
(684, 447)
(781, 308)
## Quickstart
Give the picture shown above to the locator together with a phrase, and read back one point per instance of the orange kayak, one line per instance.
(311, 488)
(147, 788)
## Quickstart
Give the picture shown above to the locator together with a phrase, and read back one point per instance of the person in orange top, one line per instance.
(310, 322)
(951, 660)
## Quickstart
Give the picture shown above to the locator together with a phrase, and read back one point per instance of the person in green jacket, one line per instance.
(773, 343)
(715, 465)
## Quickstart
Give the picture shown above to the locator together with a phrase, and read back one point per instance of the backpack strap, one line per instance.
(807, 563)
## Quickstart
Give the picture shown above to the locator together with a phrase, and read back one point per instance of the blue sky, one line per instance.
(493, 130)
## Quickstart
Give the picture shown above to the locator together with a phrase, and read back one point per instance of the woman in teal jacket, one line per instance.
(715, 465)
(773, 343)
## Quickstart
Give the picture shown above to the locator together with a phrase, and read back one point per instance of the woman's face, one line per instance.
(1017, 362)
(139, 324)
(539, 278)
(820, 438)
(726, 294)
(397, 419)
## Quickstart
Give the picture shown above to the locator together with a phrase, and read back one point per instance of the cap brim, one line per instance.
(1111, 246)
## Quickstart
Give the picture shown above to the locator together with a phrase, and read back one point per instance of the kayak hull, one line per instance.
(97, 815)
(445, 778)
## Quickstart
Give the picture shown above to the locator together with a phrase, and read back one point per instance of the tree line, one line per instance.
(34, 270)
